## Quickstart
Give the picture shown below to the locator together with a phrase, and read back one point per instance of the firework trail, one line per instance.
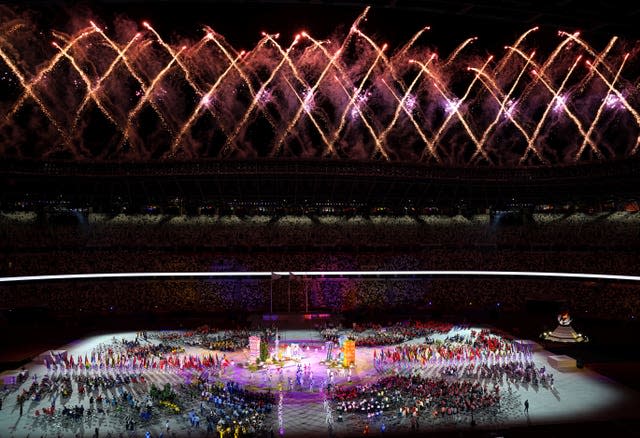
(428, 145)
(505, 61)
(28, 87)
(132, 72)
(354, 96)
(256, 99)
(90, 93)
(234, 64)
(456, 105)
(30, 92)
(402, 102)
(147, 95)
(555, 101)
(562, 105)
(624, 102)
(92, 90)
(310, 92)
(203, 103)
(349, 97)
(599, 113)
(505, 100)
(375, 138)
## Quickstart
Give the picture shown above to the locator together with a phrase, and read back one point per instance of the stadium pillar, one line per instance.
(306, 296)
(289, 294)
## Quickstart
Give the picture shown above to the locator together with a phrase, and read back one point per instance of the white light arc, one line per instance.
(318, 274)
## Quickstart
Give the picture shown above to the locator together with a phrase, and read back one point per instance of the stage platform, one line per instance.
(563, 363)
(12, 377)
(295, 320)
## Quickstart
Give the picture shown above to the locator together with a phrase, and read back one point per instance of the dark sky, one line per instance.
(496, 23)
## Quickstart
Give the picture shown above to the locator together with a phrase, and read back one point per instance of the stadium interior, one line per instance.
(437, 230)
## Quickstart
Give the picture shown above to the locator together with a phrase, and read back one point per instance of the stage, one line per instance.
(302, 403)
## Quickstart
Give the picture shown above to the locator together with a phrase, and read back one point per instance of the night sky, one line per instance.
(242, 22)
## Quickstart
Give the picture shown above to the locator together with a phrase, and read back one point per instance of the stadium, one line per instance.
(253, 218)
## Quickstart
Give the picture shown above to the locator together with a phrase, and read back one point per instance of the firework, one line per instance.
(348, 97)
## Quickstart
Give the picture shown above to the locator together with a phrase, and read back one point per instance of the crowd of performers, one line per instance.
(479, 356)
(224, 407)
(103, 375)
(412, 396)
(450, 376)
(133, 356)
(237, 410)
(374, 335)
(211, 338)
(478, 347)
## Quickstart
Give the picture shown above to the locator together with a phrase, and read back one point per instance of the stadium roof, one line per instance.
(300, 183)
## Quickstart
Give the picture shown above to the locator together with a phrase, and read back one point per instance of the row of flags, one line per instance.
(119, 360)
(423, 354)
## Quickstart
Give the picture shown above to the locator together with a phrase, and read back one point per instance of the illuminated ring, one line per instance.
(318, 274)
